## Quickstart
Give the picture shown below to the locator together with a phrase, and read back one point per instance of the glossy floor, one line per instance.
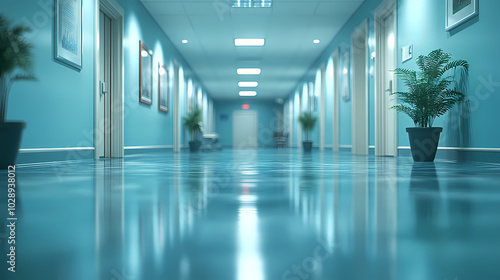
(266, 214)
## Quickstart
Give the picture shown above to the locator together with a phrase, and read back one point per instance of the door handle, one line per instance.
(390, 87)
(103, 88)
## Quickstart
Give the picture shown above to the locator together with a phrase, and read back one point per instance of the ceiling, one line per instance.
(289, 28)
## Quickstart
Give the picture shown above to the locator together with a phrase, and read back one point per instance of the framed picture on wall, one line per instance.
(145, 74)
(345, 74)
(460, 11)
(163, 88)
(68, 32)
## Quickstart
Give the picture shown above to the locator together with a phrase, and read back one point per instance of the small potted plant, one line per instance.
(15, 65)
(192, 122)
(307, 121)
(431, 93)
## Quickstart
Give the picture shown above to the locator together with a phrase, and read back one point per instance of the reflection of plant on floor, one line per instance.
(15, 59)
(429, 94)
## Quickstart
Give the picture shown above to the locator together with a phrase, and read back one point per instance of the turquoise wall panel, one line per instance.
(58, 108)
(422, 23)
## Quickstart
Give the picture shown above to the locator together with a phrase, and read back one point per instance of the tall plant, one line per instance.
(431, 91)
(15, 59)
(307, 121)
(192, 122)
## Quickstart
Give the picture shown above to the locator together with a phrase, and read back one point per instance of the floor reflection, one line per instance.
(267, 214)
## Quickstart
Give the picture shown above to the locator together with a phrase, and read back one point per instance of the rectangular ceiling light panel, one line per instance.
(248, 84)
(247, 93)
(249, 42)
(251, 3)
(248, 71)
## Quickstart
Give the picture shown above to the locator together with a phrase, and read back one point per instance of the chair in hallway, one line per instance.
(280, 138)
(209, 140)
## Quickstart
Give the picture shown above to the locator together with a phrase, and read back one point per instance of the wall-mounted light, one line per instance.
(245, 106)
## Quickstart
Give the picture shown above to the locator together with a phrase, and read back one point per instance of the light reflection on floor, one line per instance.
(266, 214)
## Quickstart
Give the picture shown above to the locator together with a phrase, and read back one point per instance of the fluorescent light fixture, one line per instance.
(251, 3)
(316, 41)
(184, 41)
(248, 84)
(247, 93)
(249, 42)
(248, 71)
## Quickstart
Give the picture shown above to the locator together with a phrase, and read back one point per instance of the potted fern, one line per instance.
(431, 93)
(192, 122)
(307, 121)
(15, 65)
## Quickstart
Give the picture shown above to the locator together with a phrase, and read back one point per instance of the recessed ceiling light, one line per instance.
(248, 71)
(251, 3)
(248, 84)
(316, 41)
(247, 93)
(249, 42)
(184, 41)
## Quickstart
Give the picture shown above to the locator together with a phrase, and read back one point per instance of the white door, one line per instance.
(245, 129)
(104, 100)
(386, 60)
(360, 90)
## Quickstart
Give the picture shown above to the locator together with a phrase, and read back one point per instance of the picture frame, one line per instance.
(68, 32)
(163, 88)
(145, 74)
(459, 11)
(345, 75)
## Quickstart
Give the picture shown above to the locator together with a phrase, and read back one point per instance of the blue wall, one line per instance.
(59, 108)
(342, 42)
(421, 23)
(267, 117)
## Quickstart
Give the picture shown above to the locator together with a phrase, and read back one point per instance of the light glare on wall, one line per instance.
(248, 71)
(249, 42)
(248, 84)
(247, 93)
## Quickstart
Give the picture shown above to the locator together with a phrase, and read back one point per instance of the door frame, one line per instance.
(335, 79)
(176, 108)
(384, 131)
(253, 112)
(114, 11)
(322, 104)
(359, 87)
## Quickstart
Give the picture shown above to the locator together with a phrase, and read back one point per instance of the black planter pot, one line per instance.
(424, 142)
(9, 142)
(307, 146)
(194, 145)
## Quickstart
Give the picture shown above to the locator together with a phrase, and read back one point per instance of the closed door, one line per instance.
(245, 129)
(385, 82)
(104, 102)
(360, 91)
